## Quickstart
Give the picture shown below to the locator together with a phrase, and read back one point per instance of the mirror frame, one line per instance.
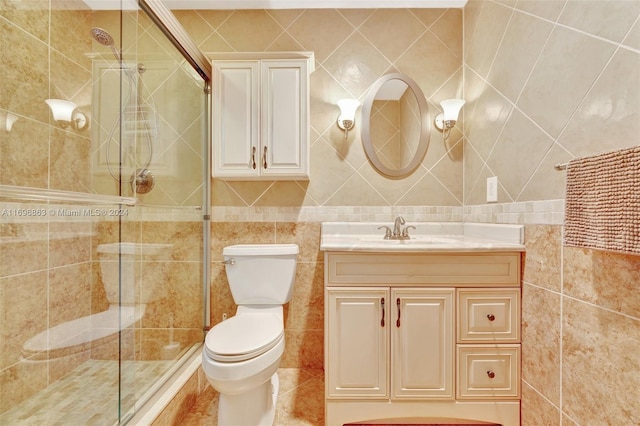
(425, 126)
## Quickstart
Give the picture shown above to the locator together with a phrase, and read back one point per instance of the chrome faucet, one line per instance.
(397, 233)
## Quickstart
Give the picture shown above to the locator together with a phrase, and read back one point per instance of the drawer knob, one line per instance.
(491, 317)
(491, 374)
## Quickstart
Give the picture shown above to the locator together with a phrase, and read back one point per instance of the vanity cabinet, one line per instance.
(432, 335)
(260, 119)
(390, 342)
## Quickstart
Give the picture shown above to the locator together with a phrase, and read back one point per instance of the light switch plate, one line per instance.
(492, 189)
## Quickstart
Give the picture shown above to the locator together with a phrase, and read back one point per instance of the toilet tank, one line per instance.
(261, 274)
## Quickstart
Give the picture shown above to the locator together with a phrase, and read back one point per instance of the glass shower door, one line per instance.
(101, 218)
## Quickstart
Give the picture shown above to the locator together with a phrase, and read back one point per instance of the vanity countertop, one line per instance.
(426, 237)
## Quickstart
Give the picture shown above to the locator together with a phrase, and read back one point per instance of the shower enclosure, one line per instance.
(103, 209)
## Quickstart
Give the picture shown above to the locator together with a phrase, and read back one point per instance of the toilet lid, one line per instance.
(243, 337)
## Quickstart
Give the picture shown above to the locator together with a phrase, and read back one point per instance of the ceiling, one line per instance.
(310, 4)
(286, 4)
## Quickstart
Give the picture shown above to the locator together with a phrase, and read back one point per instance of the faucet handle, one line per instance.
(387, 232)
(405, 231)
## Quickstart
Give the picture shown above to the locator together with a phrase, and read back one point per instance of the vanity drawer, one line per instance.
(489, 315)
(455, 269)
(486, 372)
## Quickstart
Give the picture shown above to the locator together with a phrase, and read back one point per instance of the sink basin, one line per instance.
(427, 236)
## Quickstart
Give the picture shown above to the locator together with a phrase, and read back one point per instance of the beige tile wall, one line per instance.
(38, 63)
(581, 331)
(353, 47)
(45, 272)
(547, 81)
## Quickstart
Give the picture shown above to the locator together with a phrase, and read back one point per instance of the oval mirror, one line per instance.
(395, 125)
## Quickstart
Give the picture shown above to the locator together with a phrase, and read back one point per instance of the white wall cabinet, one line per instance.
(260, 120)
(408, 335)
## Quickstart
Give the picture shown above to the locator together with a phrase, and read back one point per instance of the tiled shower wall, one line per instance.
(547, 81)
(49, 269)
(42, 56)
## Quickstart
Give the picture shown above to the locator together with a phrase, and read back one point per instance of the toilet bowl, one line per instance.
(241, 355)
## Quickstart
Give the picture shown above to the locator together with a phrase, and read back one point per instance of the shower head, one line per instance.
(104, 38)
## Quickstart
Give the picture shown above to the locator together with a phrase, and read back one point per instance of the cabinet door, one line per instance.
(356, 324)
(422, 343)
(285, 129)
(236, 120)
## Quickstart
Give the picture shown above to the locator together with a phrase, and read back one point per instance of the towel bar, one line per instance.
(561, 166)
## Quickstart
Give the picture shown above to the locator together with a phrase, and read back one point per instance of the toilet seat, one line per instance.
(243, 337)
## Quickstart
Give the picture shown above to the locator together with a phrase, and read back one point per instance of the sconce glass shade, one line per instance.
(64, 112)
(451, 109)
(61, 110)
(348, 109)
(347, 117)
(449, 115)
(7, 120)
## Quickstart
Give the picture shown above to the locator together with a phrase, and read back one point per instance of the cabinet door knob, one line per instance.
(382, 320)
(491, 317)
(398, 305)
(491, 374)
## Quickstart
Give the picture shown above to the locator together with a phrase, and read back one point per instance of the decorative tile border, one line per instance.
(334, 214)
(548, 212)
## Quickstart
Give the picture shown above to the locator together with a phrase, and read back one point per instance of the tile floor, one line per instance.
(301, 401)
(88, 395)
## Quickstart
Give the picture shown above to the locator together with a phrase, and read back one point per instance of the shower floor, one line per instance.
(88, 395)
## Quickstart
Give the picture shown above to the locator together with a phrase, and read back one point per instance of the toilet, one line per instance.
(241, 355)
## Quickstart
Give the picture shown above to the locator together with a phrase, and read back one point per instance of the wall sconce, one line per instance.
(449, 115)
(7, 120)
(347, 117)
(65, 114)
